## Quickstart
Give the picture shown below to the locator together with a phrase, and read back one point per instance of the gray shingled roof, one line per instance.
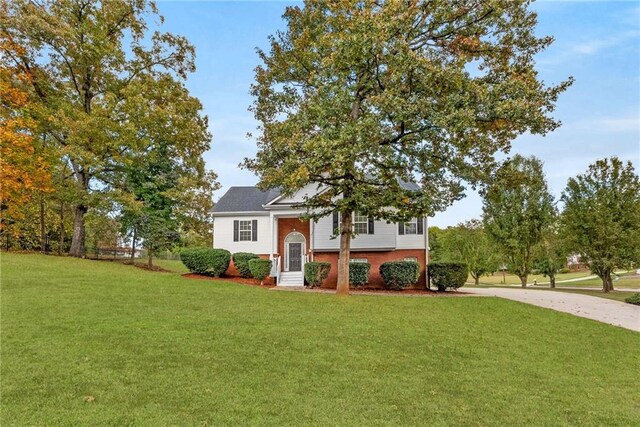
(251, 199)
(244, 199)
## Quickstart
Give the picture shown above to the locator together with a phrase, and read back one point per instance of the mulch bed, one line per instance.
(269, 284)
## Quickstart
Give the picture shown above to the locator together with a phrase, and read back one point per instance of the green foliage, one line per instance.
(633, 299)
(601, 218)
(241, 261)
(517, 209)
(354, 96)
(107, 91)
(259, 268)
(359, 274)
(468, 243)
(448, 275)
(398, 275)
(564, 271)
(316, 272)
(209, 261)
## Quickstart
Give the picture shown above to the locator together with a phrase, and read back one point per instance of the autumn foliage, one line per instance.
(23, 170)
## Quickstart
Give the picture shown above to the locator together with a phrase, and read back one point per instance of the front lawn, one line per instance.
(96, 343)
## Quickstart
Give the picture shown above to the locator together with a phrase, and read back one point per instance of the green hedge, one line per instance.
(315, 273)
(634, 299)
(359, 274)
(241, 261)
(445, 275)
(260, 268)
(209, 261)
(398, 275)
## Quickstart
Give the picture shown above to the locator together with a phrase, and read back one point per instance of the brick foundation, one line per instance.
(375, 259)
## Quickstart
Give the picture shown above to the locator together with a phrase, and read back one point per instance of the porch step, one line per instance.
(291, 279)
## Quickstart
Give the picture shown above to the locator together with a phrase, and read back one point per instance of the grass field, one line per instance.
(512, 279)
(99, 343)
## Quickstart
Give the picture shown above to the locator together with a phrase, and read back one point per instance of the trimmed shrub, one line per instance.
(241, 261)
(445, 275)
(398, 275)
(260, 268)
(564, 271)
(209, 261)
(315, 273)
(633, 299)
(359, 274)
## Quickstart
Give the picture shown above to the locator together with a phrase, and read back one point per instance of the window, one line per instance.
(411, 227)
(245, 230)
(360, 223)
(411, 258)
(358, 260)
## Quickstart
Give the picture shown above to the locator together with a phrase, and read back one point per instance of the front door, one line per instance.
(295, 257)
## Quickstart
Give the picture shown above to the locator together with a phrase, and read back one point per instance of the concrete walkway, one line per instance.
(603, 310)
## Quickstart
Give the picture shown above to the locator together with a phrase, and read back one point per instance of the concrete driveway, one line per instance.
(603, 310)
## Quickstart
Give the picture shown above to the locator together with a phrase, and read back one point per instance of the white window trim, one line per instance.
(365, 222)
(249, 230)
(414, 223)
(358, 260)
(411, 258)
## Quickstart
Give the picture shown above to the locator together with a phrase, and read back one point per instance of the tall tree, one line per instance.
(24, 166)
(84, 56)
(516, 210)
(469, 243)
(165, 189)
(356, 96)
(601, 217)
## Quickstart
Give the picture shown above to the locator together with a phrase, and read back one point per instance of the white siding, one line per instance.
(412, 241)
(223, 235)
(384, 236)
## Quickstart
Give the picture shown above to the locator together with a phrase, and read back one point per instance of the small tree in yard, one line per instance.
(551, 256)
(356, 96)
(468, 243)
(601, 218)
(517, 209)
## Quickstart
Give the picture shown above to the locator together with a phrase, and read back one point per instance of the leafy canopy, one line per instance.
(356, 95)
(601, 217)
(517, 208)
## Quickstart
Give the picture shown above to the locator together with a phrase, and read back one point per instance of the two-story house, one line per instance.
(247, 219)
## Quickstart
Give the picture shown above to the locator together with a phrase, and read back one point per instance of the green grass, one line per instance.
(614, 295)
(158, 349)
(512, 279)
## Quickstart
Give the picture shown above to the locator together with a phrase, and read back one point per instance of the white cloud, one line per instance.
(590, 47)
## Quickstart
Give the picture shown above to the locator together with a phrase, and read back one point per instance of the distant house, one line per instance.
(247, 219)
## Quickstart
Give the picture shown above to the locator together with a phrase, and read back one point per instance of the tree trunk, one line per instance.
(133, 246)
(342, 287)
(523, 280)
(150, 262)
(77, 242)
(476, 278)
(607, 282)
(43, 237)
(552, 281)
(61, 245)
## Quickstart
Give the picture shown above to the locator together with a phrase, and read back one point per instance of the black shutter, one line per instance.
(420, 225)
(401, 228)
(254, 230)
(335, 223)
(370, 225)
(235, 230)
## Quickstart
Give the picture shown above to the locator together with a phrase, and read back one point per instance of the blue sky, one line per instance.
(598, 43)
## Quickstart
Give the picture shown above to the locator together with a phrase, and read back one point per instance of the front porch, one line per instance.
(291, 248)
